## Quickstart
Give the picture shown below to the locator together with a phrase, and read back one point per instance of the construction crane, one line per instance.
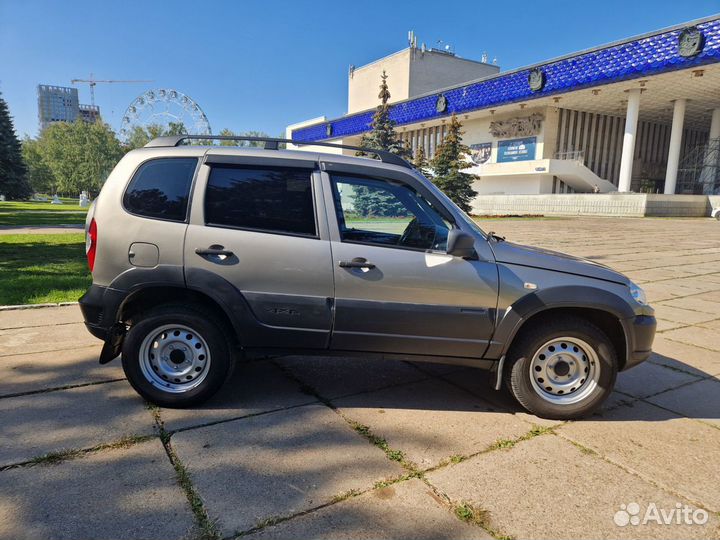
(92, 82)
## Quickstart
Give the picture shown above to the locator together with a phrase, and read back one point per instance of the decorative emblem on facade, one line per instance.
(480, 153)
(536, 79)
(690, 41)
(517, 127)
(328, 130)
(441, 104)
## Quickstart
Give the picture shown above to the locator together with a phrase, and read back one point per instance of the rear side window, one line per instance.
(268, 199)
(161, 188)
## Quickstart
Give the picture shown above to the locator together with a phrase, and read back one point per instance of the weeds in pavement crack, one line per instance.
(53, 458)
(208, 529)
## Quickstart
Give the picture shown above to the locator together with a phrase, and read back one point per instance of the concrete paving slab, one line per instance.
(48, 316)
(430, 421)
(648, 379)
(36, 424)
(700, 400)
(682, 316)
(695, 335)
(481, 383)
(664, 326)
(713, 325)
(677, 453)
(255, 387)
(59, 229)
(548, 488)
(685, 357)
(696, 303)
(334, 376)
(38, 339)
(278, 464)
(35, 372)
(408, 510)
(113, 494)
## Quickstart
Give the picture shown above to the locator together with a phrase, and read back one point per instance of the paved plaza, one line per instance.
(338, 448)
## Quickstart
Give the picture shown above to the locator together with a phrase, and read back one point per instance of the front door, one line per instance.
(396, 290)
(256, 242)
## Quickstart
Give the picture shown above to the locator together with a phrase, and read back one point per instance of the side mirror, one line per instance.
(460, 244)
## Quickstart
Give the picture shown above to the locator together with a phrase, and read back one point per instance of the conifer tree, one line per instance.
(13, 172)
(368, 201)
(382, 135)
(450, 159)
(421, 163)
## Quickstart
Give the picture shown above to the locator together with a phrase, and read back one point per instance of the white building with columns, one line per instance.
(638, 115)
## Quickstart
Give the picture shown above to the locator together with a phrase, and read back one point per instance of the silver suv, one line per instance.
(204, 255)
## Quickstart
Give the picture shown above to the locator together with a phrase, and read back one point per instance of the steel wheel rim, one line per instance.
(174, 358)
(565, 370)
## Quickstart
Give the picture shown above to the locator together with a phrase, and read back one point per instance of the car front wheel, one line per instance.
(176, 356)
(561, 369)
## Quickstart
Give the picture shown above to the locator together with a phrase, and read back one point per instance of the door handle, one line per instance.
(214, 250)
(357, 262)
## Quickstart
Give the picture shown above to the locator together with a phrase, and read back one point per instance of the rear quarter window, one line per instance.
(160, 188)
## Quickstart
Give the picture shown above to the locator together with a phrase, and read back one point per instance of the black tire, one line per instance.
(204, 326)
(519, 362)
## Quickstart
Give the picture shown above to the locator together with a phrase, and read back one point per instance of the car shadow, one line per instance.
(389, 384)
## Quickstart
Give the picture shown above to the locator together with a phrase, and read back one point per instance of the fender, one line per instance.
(570, 296)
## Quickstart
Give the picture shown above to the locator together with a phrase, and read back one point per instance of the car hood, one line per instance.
(510, 253)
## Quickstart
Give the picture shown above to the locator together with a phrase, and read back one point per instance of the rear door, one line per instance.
(396, 290)
(258, 243)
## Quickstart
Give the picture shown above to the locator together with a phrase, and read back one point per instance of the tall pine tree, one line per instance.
(450, 159)
(420, 162)
(368, 201)
(13, 173)
(382, 134)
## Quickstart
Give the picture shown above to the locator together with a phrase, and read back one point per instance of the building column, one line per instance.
(628, 148)
(715, 124)
(676, 134)
(711, 161)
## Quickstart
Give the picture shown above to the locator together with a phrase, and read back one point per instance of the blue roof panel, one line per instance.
(650, 55)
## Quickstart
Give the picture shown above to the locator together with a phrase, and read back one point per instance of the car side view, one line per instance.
(205, 255)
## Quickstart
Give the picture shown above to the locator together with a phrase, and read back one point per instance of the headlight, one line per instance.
(637, 293)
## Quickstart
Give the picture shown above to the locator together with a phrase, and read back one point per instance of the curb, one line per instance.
(37, 306)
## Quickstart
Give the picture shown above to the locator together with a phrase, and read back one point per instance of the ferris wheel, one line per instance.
(162, 107)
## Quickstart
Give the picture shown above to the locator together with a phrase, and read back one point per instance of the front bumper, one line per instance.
(640, 331)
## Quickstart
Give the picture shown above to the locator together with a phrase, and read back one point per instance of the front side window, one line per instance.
(161, 188)
(268, 199)
(382, 212)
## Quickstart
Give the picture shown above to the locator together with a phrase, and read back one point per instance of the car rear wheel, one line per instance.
(562, 368)
(177, 356)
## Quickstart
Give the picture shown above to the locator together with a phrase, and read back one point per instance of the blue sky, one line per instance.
(255, 65)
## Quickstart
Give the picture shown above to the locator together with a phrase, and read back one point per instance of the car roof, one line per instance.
(304, 155)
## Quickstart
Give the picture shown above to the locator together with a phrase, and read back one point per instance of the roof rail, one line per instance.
(272, 143)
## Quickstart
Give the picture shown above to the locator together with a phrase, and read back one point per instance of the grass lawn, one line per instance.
(42, 213)
(38, 268)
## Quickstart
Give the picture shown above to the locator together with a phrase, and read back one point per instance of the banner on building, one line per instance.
(516, 150)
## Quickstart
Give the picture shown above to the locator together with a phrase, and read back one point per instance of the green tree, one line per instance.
(369, 201)
(450, 159)
(13, 173)
(40, 176)
(140, 136)
(79, 155)
(420, 162)
(382, 134)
